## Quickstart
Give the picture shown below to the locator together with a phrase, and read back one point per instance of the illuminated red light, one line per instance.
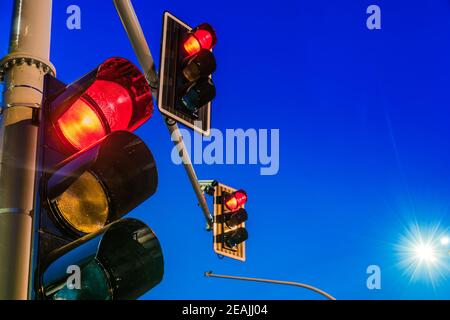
(202, 37)
(236, 200)
(192, 45)
(116, 97)
(81, 125)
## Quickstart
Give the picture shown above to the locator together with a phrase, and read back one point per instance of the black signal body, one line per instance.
(229, 228)
(81, 199)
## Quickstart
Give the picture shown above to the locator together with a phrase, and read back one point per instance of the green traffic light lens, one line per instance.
(121, 261)
(94, 285)
(199, 94)
(191, 100)
(235, 237)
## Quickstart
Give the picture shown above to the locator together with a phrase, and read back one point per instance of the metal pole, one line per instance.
(138, 41)
(177, 138)
(209, 274)
(136, 35)
(23, 71)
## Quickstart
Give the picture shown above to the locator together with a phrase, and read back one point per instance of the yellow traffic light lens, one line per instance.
(84, 205)
(192, 72)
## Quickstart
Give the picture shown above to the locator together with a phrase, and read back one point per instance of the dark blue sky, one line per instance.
(364, 139)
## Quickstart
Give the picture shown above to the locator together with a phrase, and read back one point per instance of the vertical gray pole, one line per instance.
(22, 71)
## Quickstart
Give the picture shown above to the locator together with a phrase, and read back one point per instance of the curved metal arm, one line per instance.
(288, 283)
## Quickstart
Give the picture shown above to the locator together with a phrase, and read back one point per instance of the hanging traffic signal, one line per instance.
(230, 216)
(93, 171)
(197, 63)
(187, 63)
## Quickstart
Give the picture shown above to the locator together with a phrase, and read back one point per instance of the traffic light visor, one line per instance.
(202, 37)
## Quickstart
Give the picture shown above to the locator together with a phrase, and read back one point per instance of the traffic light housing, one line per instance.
(92, 171)
(229, 231)
(103, 183)
(187, 62)
(119, 262)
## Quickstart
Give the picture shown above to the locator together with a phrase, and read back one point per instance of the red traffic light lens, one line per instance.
(81, 125)
(202, 37)
(115, 96)
(236, 200)
(192, 45)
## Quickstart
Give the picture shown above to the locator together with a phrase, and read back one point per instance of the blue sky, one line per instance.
(364, 139)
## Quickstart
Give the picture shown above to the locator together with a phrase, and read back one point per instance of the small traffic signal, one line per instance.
(230, 215)
(93, 171)
(197, 63)
(187, 62)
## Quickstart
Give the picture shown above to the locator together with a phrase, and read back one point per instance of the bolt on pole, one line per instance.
(22, 71)
(136, 35)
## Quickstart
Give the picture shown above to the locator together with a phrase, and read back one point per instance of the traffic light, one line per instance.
(230, 215)
(187, 62)
(93, 171)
